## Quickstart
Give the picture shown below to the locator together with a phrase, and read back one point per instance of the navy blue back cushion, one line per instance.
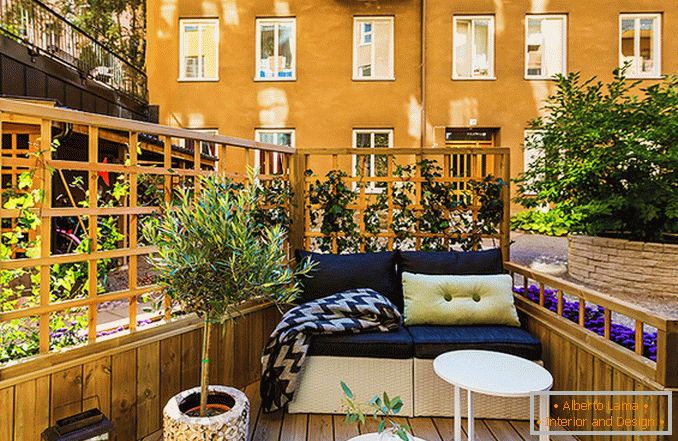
(451, 262)
(338, 272)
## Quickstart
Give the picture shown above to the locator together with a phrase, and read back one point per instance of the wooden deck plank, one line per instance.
(343, 431)
(294, 427)
(523, 429)
(252, 392)
(320, 427)
(482, 432)
(268, 427)
(445, 428)
(425, 428)
(502, 430)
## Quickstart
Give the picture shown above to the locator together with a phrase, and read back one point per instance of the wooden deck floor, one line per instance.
(317, 427)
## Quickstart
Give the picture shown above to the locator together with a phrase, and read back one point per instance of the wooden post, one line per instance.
(93, 201)
(505, 229)
(667, 355)
(167, 193)
(45, 228)
(298, 187)
(133, 224)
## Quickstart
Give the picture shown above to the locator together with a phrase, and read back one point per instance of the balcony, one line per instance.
(63, 357)
(45, 32)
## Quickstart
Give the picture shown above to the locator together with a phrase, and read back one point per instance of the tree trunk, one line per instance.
(204, 370)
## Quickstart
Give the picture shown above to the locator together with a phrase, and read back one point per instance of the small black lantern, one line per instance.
(91, 425)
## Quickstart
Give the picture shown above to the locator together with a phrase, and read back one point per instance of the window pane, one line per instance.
(267, 51)
(646, 45)
(209, 51)
(481, 57)
(191, 51)
(382, 49)
(381, 140)
(627, 42)
(285, 138)
(534, 47)
(362, 140)
(284, 62)
(552, 32)
(462, 43)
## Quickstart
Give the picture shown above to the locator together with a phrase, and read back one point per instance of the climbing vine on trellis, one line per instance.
(443, 219)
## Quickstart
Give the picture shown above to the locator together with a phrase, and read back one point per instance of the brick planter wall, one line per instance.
(624, 266)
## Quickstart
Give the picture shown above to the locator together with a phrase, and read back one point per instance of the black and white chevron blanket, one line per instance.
(346, 312)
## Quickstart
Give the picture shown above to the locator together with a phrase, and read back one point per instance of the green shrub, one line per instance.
(553, 222)
(607, 157)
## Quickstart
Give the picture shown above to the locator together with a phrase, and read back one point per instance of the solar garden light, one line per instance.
(91, 425)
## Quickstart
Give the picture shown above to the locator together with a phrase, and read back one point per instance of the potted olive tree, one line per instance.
(216, 252)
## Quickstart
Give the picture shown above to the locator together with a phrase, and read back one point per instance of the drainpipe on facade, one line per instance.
(423, 75)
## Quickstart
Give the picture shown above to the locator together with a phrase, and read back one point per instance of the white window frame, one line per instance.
(211, 131)
(357, 37)
(183, 22)
(257, 137)
(370, 187)
(657, 17)
(490, 48)
(276, 21)
(564, 43)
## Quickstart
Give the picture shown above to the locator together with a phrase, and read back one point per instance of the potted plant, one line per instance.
(383, 409)
(215, 252)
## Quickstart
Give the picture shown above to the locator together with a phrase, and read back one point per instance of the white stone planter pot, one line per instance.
(232, 425)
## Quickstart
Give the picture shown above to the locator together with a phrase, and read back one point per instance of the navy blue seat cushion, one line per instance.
(339, 272)
(431, 341)
(451, 262)
(395, 344)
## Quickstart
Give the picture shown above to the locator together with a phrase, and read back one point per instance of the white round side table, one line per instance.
(492, 373)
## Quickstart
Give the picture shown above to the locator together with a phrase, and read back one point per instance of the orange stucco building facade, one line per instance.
(325, 92)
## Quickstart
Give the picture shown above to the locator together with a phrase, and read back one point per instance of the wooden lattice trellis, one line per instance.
(458, 166)
(39, 122)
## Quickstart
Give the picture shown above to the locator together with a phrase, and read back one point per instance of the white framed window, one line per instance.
(373, 48)
(473, 48)
(272, 160)
(276, 58)
(375, 165)
(199, 49)
(545, 46)
(640, 44)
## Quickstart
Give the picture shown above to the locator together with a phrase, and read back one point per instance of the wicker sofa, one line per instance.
(401, 362)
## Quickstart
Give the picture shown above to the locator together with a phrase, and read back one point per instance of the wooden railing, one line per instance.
(458, 166)
(38, 127)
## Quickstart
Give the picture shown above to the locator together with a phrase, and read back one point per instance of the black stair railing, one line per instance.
(46, 32)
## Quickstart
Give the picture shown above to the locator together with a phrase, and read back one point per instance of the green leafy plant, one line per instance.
(607, 157)
(444, 210)
(380, 408)
(551, 222)
(336, 219)
(214, 254)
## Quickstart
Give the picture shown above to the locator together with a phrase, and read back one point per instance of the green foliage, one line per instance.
(551, 222)
(337, 220)
(383, 409)
(445, 211)
(216, 252)
(607, 157)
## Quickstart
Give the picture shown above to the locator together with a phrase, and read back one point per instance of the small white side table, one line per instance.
(492, 373)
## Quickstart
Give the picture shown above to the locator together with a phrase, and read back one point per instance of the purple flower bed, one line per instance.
(593, 320)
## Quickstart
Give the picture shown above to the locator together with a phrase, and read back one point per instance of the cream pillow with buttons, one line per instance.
(459, 300)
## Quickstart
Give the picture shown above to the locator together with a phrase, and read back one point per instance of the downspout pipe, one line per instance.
(422, 87)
